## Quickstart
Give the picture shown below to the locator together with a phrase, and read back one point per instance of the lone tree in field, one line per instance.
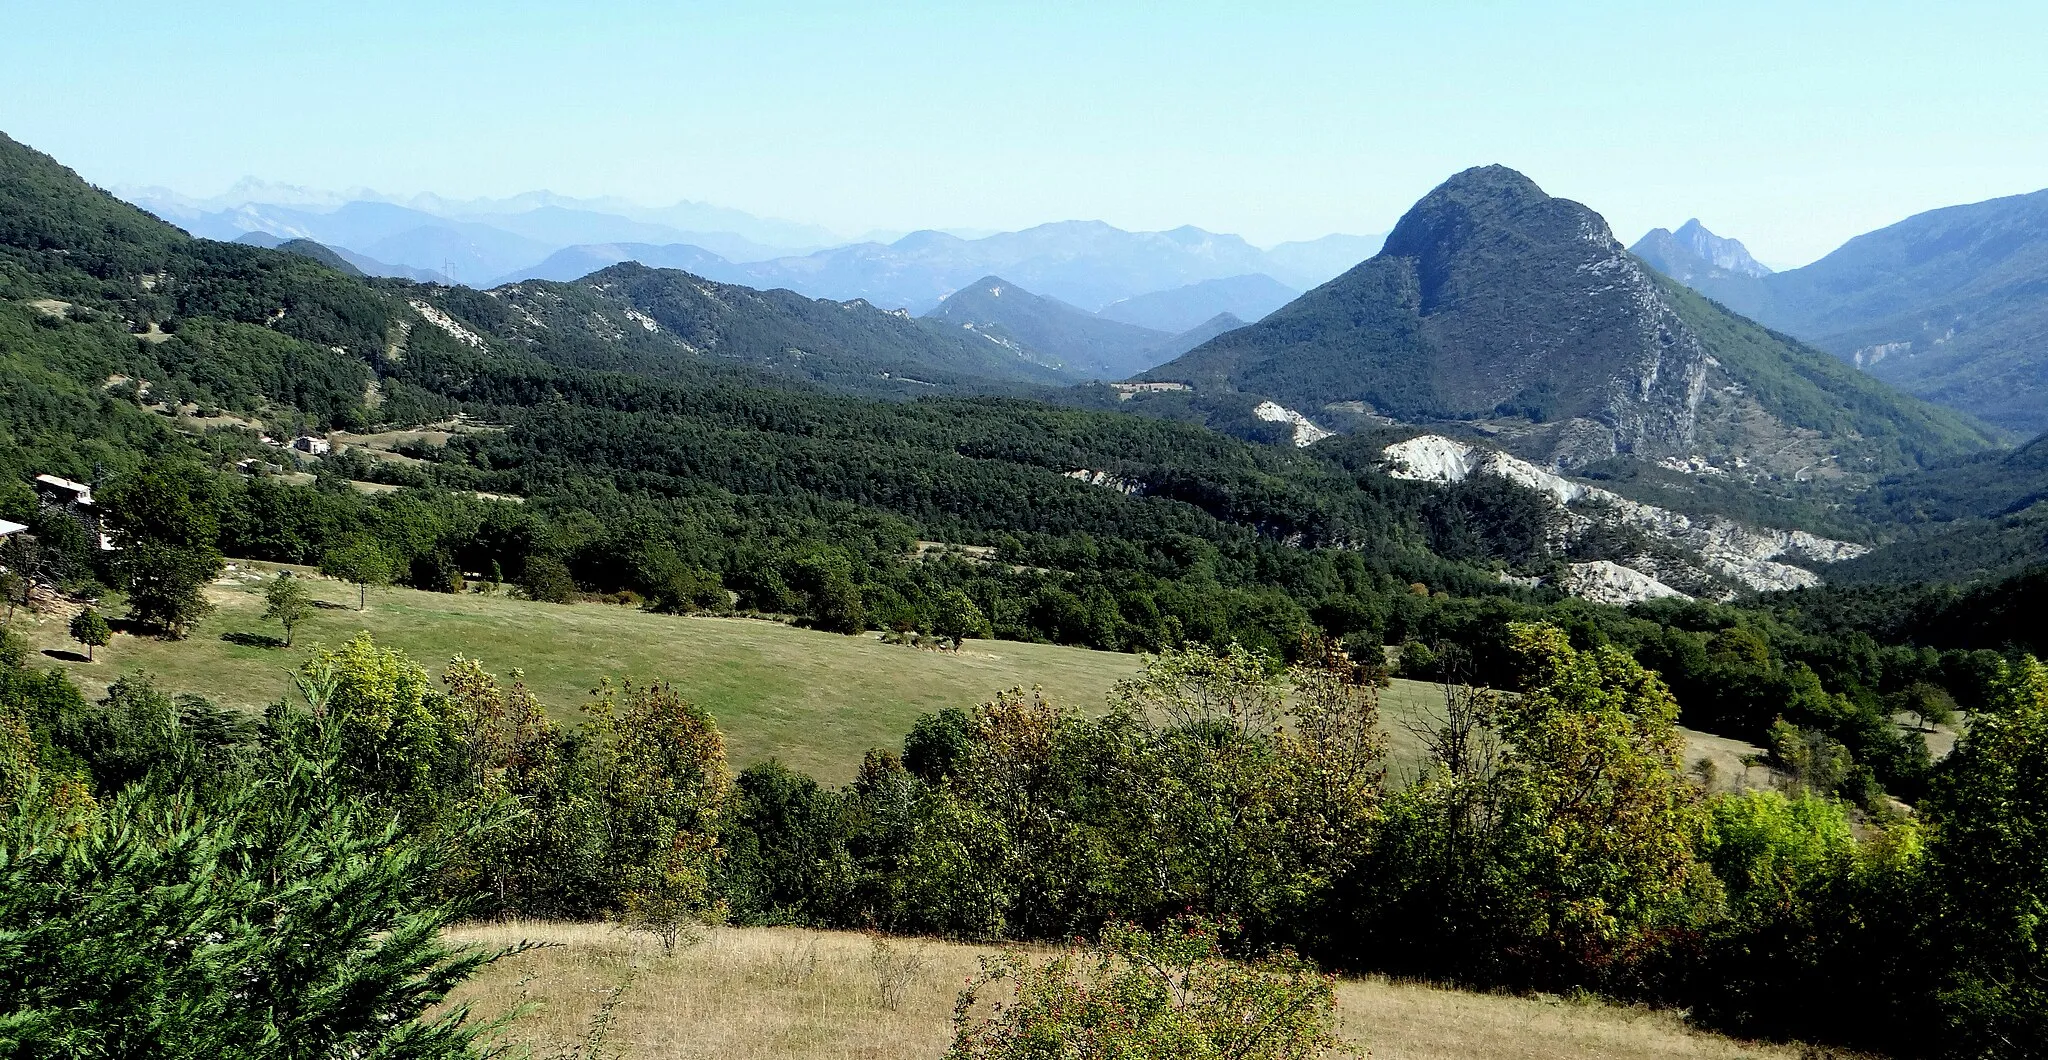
(955, 618)
(361, 562)
(288, 603)
(90, 628)
(1928, 703)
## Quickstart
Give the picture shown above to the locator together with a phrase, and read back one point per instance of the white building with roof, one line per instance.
(63, 492)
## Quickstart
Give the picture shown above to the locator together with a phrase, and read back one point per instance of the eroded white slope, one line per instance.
(1306, 433)
(1744, 554)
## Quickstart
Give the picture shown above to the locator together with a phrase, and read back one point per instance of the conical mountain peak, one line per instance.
(1494, 212)
(1498, 304)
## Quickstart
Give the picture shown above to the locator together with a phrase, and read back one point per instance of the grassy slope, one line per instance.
(816, 995)
(815, 700)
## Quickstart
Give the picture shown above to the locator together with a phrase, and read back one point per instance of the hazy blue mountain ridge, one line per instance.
(1247, 297)
(997, 311)
(1302, 264)
(484, 242)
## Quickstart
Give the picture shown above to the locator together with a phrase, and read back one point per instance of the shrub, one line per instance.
(1141, 995)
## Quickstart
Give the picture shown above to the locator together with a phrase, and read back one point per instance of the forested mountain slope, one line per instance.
(1980, 517)
(1950, 305)
(1500, 307)
(683, 318)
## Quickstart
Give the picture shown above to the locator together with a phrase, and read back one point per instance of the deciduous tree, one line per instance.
(361, 562)
(287, 603)
(90, 628)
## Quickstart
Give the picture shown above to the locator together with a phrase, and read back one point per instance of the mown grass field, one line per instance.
(756, 993)
(817, 701)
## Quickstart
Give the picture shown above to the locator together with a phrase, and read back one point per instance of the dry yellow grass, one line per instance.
(755, 993)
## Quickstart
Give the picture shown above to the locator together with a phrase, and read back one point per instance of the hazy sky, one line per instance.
(1789, 125)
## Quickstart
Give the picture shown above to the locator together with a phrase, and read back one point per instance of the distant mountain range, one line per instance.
(1516, 316)
(542, 216)
(1191, 275)
(1245, 297)
(1951, 305)
(1086, 264)
(1050, 331)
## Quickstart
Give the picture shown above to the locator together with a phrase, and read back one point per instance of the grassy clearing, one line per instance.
(816, 700)
(754, 993)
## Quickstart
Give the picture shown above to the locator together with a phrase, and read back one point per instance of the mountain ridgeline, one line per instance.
(1950, 305)
(677, 319)
(1497, 308)
(1049, 331)
(1169, 281)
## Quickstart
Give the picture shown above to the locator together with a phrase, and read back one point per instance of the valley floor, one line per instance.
(756, 993)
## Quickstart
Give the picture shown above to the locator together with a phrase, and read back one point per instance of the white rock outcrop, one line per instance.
(1106, 480)
(1606, 582)
(1306, 433)
(1743, 554)
(452, 326)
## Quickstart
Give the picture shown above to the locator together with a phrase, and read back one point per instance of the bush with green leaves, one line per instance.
(1550, 841)
(1988, 868)
(1138, 995)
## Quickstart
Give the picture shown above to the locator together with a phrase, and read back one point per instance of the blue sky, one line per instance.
(1791, 126)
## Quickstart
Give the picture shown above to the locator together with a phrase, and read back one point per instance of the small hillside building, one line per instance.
(63, 493)
(75, 500)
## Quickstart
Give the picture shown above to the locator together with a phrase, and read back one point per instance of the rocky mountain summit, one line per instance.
(1499, 310)
(1716, 266)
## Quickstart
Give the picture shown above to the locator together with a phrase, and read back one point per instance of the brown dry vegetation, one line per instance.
(755, 993)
